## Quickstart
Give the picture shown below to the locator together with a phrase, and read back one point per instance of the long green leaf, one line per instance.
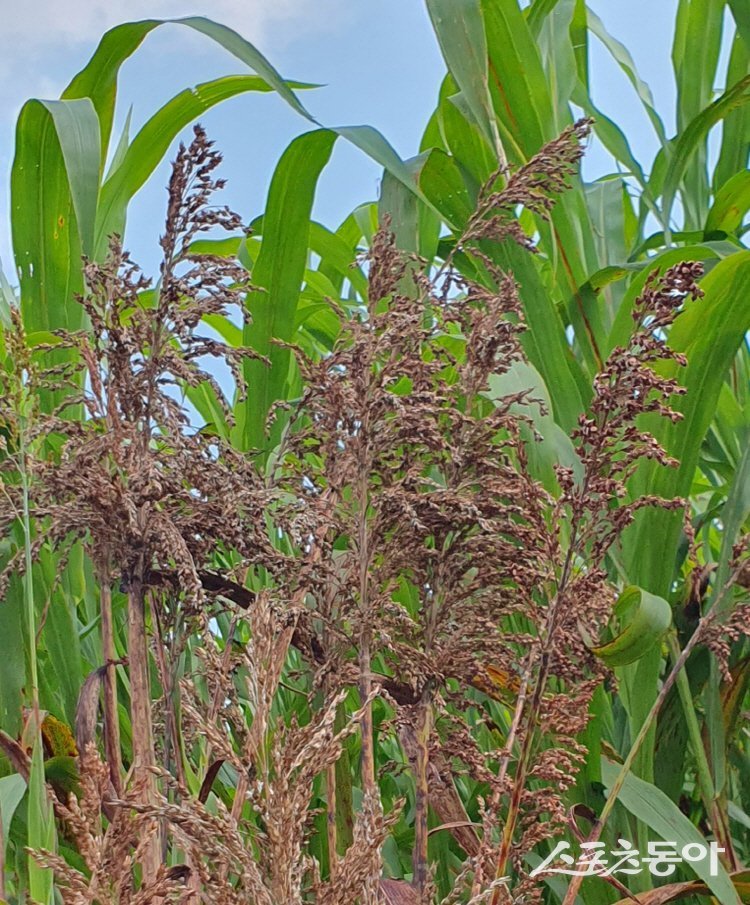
(529, 116)
(41, 829)
(695, 57)
(741, 13)
(659, 812)
(278, 275)
(709, 333)
(544, 342)
(731, 204)
(231, 41)
(735, 129)
(537, 12)
(12, 790)
(98, 79)
(54, 189)
(625, 61)
(460, 30)
(690, 140)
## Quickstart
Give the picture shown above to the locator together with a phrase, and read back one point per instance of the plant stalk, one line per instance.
(140, 714)
(422, 794)
(708, 791)
(111, 713)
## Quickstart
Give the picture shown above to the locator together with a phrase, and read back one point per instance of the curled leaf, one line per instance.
(644, 618)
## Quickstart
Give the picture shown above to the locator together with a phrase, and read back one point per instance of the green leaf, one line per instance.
(545, 342)
(77, 130)
(12, 662)
(623, 324)
(8, 300)
(460, 30)
(461, 136)
(443, 183)
(41, 829)
(650, 805)
(695, 57)
(735, 130)
(231, 41)
(731, 204)
(414, 224)
(60, 631)
(54, 190)
(537, 13)
(98, 79)
(690, 140)
(381, 151)
(579, 36)
(518, 84)
(528, 116)
(12, 790)
(337, 258)
(709, 332)
(624, 60)
(741, 12)
(646, 618)
(277, 276)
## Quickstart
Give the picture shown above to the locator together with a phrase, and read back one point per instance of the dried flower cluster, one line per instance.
(444, 563)
(395, 588)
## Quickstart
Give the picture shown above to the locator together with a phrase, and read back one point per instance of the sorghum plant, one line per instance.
(394, 552)
(442, 563)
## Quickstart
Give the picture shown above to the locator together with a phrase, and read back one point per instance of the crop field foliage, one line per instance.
(372, 564)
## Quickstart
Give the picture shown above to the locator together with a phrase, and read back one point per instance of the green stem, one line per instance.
(28, 588)
(705, 780)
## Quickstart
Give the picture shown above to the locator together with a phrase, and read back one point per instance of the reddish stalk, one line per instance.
(140, 714)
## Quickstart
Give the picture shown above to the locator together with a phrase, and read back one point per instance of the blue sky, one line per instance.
(363, 51)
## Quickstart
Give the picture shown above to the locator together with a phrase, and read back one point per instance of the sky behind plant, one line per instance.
(378, 62)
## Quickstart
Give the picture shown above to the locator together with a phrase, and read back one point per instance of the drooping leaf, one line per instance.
(152, 142)
(689, 141)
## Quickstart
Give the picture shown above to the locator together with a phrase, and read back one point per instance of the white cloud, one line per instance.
(45, 42)
(37, 30)
(49, 22)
